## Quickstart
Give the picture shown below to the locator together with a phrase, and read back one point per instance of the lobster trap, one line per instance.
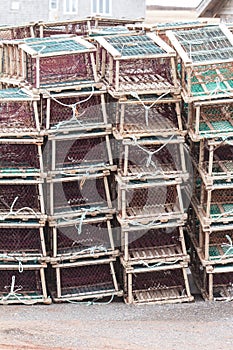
(26, 286)
(74, 153)
(19, 113)
(146, 116)
(79, 196)
(158, 245)
(89, 279)
(17, 32)
(144, 203)
(82, 238)
(214, 281)
(136, 63)
(157, 284)
(214, 161)
(54, 64)
(75, 111)
(206, 62)
(19, 243)
(21, 157)
(21, 199)
(152, 158)
(210, 119)
(214, 205)
(213, 245)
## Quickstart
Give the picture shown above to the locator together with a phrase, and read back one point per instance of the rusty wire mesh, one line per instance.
(27, 282)
(15, 197)
(60, 69)
(86, 279)
(17, 117)
(88, 112)
(160, 117)
(83, 238)
(82, 153)
(153, 158)
(159, 280)
(20, 241)
(79, 194)
(222, 285)
(162, 199)
(19, 156)
(154, 238)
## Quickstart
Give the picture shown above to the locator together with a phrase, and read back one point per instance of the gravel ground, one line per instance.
(117, 326)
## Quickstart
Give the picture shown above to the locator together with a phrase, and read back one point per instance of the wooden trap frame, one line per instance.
(146, 116)
(157, 245)
(50, 64)
(83, 27)
(214, 281)
(213, 205)
(205, 67)
(213, 244)
(144, 203)
(17, 32)
(213, 159)
(22, 199)
(79, 196)
(152, 158)
(157, 284)
(19, 113)
(21, 243)
(91, 237)
(91, 279)
(21, 157)
(23, 286)
(210, 119)
(79, 153)
(75, 111)
(136, 63)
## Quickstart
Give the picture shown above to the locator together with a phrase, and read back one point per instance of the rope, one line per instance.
(73, 107)
(13, 293)
(11, 212)
(230, 245)
(158, 264)
(91, 249)
(219, 89)
(19, 260)
(92, 302)
(150, 224)
(151, 153)
(147, 108)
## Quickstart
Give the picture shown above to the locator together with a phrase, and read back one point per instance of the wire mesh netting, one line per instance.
(222, 285)
(143, 74)
(83, 238)
(50, 29)
(19, 199)
(221, 203)
(89, 110)
(155, 243)
(212, 80)
(135, 45)
(154, 159)
(21, 242)
(10, 33)
(222, 161)
(158, 285)
(86, 154)
(206, 44)
(17, 117)
(19, 157)
(60, 69)
(86, 280)
(27, 284)
(157, 118)
(77, 195)
(214, 119)
(152, 201)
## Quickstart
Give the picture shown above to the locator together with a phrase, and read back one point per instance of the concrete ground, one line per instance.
(117, 326)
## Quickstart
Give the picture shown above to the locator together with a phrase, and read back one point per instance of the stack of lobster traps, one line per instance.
(80, 210)
(23, 254)
(144, 103)
(205, 68)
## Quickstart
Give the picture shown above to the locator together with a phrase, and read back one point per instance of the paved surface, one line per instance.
(117, 326)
